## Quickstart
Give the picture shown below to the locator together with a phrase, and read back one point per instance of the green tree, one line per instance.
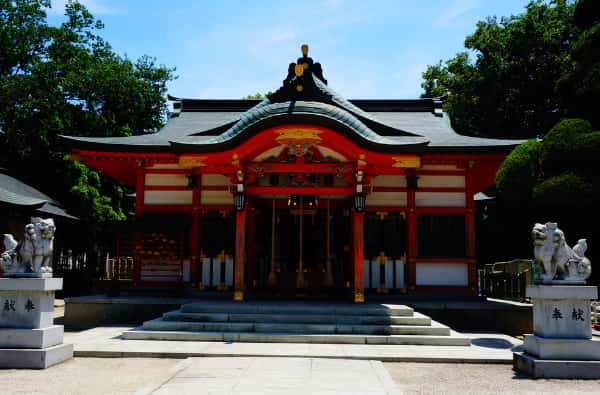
(66, 80)
(509, 88)
(581, 86)
(556, 172)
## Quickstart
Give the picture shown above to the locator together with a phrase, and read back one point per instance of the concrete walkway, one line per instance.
(107, 342)
(277, 376)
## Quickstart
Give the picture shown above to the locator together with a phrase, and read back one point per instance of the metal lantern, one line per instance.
(360, 202)
(239, 201)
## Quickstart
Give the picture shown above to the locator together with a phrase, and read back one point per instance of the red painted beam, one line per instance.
(256, 190)
(316, 168)
(167, 207)
(168, 171)
(167, 188)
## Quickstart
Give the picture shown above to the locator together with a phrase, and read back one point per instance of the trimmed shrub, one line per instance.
(519, 173)
(563, 145)
(564, 190)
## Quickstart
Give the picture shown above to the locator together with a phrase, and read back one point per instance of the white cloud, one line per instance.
(96, 7)
(452, 14)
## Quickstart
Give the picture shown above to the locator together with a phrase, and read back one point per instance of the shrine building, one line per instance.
(304, 194)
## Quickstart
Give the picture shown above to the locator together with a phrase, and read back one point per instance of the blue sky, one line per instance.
(373, 49)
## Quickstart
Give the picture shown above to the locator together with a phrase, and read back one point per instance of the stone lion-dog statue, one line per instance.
(33, 256)
(561, 263)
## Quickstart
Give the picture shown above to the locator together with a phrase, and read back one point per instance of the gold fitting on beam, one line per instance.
(238, 296)
(359, 297)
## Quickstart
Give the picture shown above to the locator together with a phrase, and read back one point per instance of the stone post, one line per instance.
(561, 345)
(28, 337)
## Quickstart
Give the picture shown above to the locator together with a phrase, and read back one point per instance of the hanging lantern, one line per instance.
(239, 200)
(360, 201)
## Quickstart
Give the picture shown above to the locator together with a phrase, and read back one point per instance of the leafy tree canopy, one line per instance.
(581, 86)
(556, 171)
(66, 79)
(509, 88)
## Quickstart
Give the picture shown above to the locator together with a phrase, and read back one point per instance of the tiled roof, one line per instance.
(211, 125)
(16, 193)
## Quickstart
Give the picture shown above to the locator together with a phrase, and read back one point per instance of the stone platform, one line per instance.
(561, 345)
(295, 322)
(28, 337)
(490, 315)
(107, 342)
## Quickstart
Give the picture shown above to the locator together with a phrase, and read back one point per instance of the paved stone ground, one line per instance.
(462, 379)
(89, 376)
(143, 376)
(279, 376)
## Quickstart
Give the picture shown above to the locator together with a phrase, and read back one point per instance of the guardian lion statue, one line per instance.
(33, 256)
(560, 262)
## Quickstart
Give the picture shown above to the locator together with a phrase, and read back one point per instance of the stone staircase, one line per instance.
(295, 322)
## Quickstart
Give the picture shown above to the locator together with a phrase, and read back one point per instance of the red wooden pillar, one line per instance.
(411, 239)
(240, 255)
(140, 181)
(358, 242)
(139, 190)
(470, 237)
(195, 235)
(250, 245)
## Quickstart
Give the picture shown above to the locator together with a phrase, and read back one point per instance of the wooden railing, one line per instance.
(506, 279)
(118, 268)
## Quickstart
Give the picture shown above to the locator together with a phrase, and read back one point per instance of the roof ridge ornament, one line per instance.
(299, 84)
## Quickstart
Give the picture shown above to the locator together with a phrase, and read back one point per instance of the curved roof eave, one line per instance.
(366, 137)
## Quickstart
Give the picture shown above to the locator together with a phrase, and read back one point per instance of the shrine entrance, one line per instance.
(302, 246)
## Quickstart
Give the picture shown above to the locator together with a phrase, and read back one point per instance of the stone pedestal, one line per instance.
(561, 345)
(28, 336)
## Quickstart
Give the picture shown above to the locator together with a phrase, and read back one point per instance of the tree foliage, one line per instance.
(67, 80)
(581, 86)
(509, 88)
(551, 172)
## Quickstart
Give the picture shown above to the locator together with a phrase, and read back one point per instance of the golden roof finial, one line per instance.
(304, 49)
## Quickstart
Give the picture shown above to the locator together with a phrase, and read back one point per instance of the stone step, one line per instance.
(253, 337)
(296, 328)
(297, 308)
(415, 319)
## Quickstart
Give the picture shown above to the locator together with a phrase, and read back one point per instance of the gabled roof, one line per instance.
(304, 98)
(16, 193)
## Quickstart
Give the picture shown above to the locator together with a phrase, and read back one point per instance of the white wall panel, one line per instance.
(389, 181)
(389, 199)
(439, 199)
(214, 179)
(167, 197)
(166, 179)
(441, 181)
(442, 274)
(216, 197)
